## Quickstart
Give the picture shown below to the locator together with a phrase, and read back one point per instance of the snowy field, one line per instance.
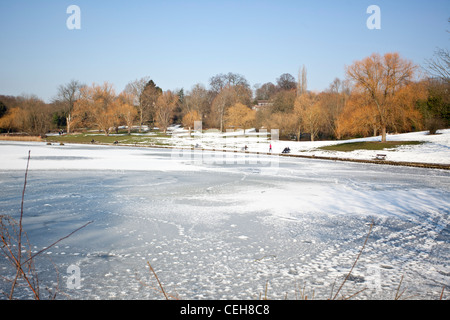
(225, 225)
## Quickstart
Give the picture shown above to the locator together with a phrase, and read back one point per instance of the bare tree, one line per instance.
(302, 83)
(67, 94)
(227, 97)
(266, 91)
(334, 100)
(286, 82)
(197, 99)
(145, 94)
(283, 101)
(439, 65)
(220, 81)
(164, 109)
(227, 89)
(221, 103)
(135, 89)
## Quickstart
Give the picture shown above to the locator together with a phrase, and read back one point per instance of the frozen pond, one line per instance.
(224, 227)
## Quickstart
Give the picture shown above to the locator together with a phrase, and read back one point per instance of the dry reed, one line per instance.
(21, 138)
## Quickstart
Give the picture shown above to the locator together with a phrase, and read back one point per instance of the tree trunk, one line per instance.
(68, 120)
(383, 134)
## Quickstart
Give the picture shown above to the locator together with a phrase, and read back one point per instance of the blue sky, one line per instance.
(181, 43)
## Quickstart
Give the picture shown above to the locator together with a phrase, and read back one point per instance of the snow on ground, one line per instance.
(436, 148)
(220, 225)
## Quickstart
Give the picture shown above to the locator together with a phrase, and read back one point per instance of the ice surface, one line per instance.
(217, 226)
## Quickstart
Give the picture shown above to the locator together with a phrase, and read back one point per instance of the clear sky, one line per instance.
(181, 43)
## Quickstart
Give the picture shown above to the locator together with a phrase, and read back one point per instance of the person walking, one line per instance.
(270, 148)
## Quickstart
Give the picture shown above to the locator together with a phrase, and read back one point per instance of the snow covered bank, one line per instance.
(435, 149)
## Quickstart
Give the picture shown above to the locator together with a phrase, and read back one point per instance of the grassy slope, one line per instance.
(368, 145)
(101, 138)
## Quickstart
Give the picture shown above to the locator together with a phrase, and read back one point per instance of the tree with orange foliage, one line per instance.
(407, 116)
(358, 117)
(29, 114)
(190, 118)
(240, 116)
(96, 107)
(381, 78)
(127, 113)
(13, 119)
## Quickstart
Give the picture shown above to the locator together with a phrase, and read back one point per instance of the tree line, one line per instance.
(380, 94)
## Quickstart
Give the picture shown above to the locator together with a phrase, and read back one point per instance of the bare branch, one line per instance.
(159, 282)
